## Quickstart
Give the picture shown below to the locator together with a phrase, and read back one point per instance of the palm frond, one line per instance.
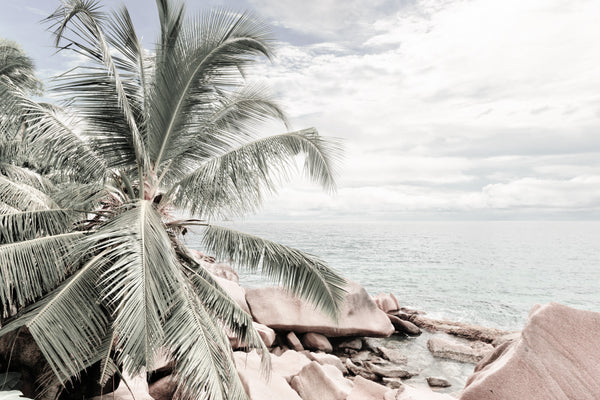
(23, 225)
(67, 336)
(302, 274)
(31, 268)
(233, 183)
(24, 197)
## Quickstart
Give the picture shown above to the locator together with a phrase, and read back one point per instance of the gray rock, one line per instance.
(403, 326)
(437, 382)
(392, 355)
(464, 352)
(389, 371)
(353, 344)
(392, 383)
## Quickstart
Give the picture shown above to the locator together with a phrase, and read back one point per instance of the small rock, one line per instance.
(279, 350)
(366, 390)
(454, 350)
(390, 371)
(392, 383)
(354, 344)
(363, 356)
(438, 382)
(392, 355)
(328, 359)
(316, 341)
(406, 392)
(321, 382)
(403, 326)
(359, 370)
(266, 334)
(294, 342)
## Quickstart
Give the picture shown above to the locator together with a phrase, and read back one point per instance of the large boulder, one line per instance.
(386, 302)
(471, 352)
(556, 357)
(365, 389)
(316, 341)
(321, 382)
(234, 290)
(267, 334)
(279, 310)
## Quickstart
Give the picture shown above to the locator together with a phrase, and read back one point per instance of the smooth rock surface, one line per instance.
(162, 389)
(316, 341)
(467, 331)
(437, 382)
(321, 382)
(328, 359)
(279, 310)
(403, 326)
(293, 341)
(138, 385)
(386, 302)
(451, 349)
(556, 357)
(392, 355)
(390, 371)
(365, 389)
(234, 290)
(267, 334)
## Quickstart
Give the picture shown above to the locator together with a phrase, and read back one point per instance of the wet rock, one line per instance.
(403, 326)
(451, 349)
(389, 371)
(556, 357)
(438, 382)
(293, 341)
(360, 370)
(367, 390)
(467, 331)
(392, 355)
(353, 344)
(279, 310)
(321, 382)
(316, 341)
(392, 383)
(386, 302)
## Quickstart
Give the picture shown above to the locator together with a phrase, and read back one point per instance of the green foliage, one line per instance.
(91, 261)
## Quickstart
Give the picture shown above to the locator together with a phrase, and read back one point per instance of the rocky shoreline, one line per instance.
(314, 358)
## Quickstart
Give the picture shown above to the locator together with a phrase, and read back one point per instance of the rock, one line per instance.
(437, 382)
(220, 270)
(279, 350)
(454, 350)
(289, 363)
(511, 337)
(401, 314)
(406, 392)
(390, 371)
(403, 326)
(234, 290)
(353, 344)
(364, 355)
(392, 355)
(386, 302)
(328, 359)
(266, 334)
(162, 389)
(392, 383)
(556, 357)
(281, 311)
(257, 386)
(293, 341)
(471, 332)
(316, 341)
(135, 389)
(367, 390)
(321, 382)
(360, 370)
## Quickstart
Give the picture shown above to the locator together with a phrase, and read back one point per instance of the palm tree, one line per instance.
(92, 263)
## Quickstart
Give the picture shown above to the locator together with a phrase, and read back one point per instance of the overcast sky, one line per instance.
(475, 109)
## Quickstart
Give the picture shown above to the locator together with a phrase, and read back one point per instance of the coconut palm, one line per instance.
(92, 263)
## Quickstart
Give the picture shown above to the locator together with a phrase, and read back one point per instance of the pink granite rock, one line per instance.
(328, 359)
(365, 389)
(556, 357)
(293, 341)
(234, 290)
(136, 389)
(266, 334)
(279, 310)
(321, 382)
(162, 389)
(468, 352)
(316, 341)
(386, 302)
(406, 392)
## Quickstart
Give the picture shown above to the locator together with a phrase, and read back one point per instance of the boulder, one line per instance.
(279, 310)
(352, 344)
(360, 370)
(390, 371)
(266, 334)
(321, 382)
(556, 357)
(365, 389)
(466, 331)
(472, 352)
(162, 389)
(316, 341)
(293, 341)
(392, 383)
(437, 382)
(234, 290)
(256, 384)
(220, 270)
(386, 302)
(392, 355)
(403, 326)
(328, 359)
(289, 363)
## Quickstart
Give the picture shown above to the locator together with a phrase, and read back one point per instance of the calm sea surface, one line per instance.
(487, 273)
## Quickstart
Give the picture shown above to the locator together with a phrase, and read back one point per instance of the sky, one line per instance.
(447, 109)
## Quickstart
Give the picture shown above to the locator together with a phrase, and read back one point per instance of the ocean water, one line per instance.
(483, 272)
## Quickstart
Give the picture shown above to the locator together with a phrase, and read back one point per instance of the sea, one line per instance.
(488, 273)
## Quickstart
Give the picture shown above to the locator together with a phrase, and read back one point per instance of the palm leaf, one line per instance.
(300, 273)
